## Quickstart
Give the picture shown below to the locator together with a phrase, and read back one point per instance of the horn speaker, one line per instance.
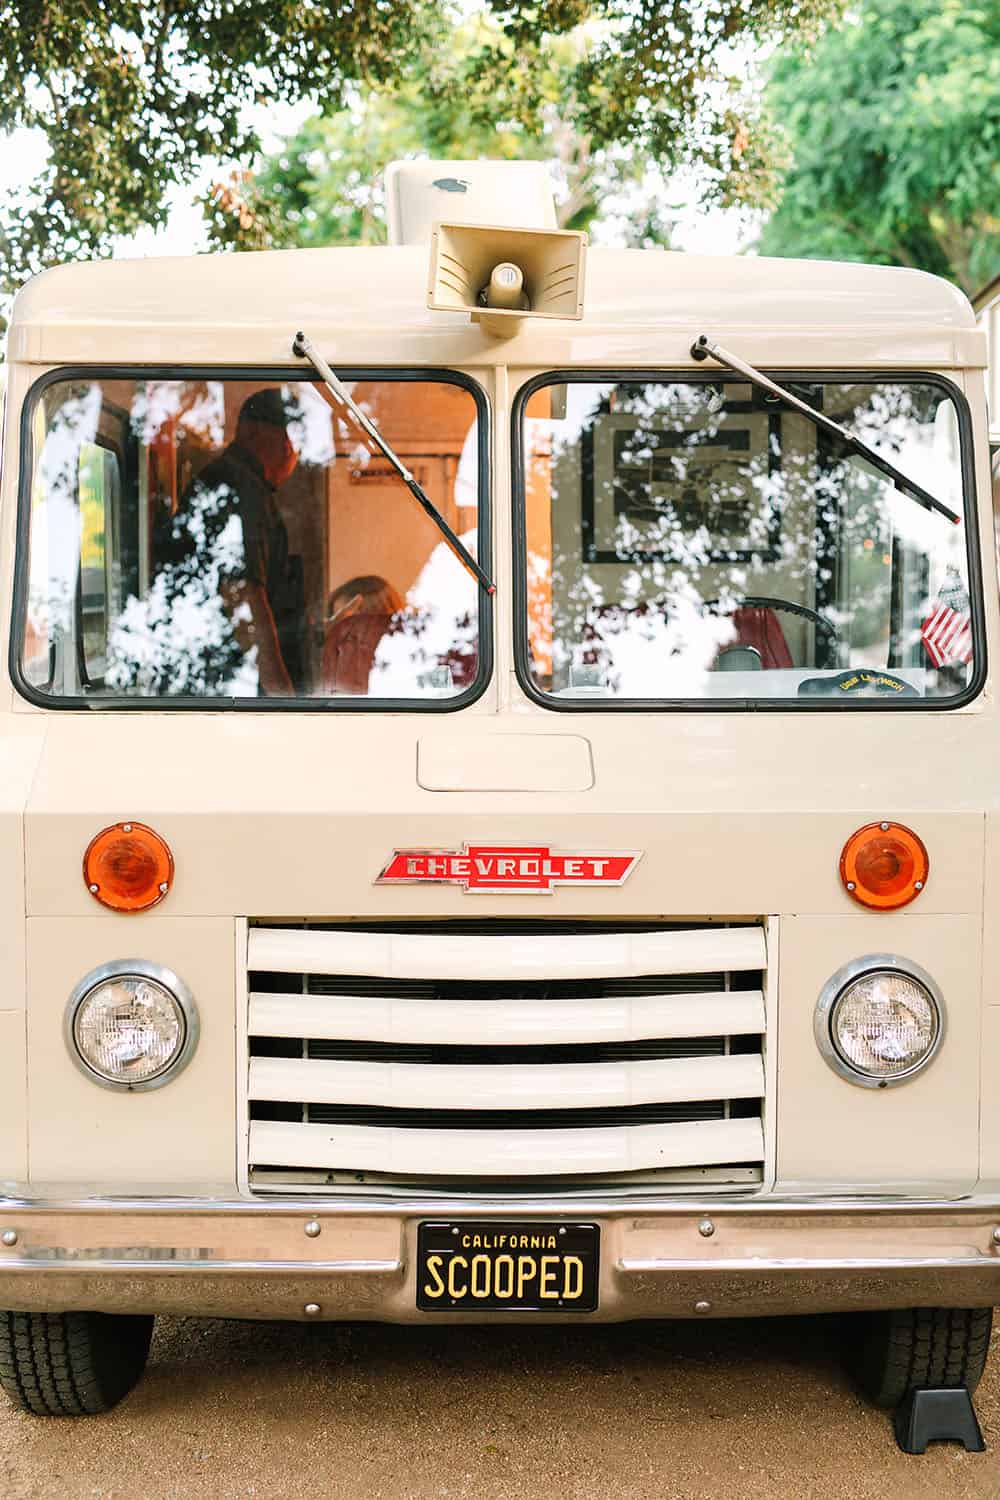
(465, 256)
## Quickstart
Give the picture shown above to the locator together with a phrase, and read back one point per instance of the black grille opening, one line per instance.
(266, 982)
(653, 1050)
(503, 1119)
(505, 926)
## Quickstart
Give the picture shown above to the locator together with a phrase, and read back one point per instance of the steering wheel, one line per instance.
(765, 601)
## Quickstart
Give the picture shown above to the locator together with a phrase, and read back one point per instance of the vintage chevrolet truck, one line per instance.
(499, 795)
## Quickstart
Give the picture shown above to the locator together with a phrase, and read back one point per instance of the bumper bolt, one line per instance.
(995, 1237)
(312, 1309)
(313, 1228)
(9, 1237)
(703, 1307)
(706, 1228)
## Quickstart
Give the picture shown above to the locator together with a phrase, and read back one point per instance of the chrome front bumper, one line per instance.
(344, 1260)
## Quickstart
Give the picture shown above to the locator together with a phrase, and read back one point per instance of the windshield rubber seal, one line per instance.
(127, 703)
(519, 592)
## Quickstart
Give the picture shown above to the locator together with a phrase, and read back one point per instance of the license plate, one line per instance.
(477, 1265)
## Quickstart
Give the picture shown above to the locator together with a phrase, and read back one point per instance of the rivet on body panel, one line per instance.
(703, 1307)
(312, 1309)
(706, 1228)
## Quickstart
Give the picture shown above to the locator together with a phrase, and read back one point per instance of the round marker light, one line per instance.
(128, 867)
(884, 866)
(878, 1022)
(131, 1025)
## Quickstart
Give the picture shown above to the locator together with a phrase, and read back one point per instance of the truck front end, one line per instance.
(610, 946)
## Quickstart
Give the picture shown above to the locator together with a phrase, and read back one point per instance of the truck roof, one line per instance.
(368, 305)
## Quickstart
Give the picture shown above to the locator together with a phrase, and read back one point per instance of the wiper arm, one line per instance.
(704, 348)
(304, 348)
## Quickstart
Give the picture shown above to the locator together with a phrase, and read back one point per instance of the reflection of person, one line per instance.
(224, 610)
(440, 629)
(263, 596)
(361, 612)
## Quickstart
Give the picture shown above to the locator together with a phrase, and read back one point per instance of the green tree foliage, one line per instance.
(604, 90)
(325, 186)
(133, 97)
(893, 121)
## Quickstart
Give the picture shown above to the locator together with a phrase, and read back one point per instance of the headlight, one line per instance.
(879, 1020)
(131, 1025)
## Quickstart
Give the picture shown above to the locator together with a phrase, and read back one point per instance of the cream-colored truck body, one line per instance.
(281, 822)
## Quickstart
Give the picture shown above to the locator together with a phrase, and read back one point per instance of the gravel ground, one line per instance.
(675, 1411)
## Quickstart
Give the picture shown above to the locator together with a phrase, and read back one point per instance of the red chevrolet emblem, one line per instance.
(508, 867)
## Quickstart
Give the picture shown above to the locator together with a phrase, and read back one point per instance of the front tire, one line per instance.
(891, 1354)
(71, 1364)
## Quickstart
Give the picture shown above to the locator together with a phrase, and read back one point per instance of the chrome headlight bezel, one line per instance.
(833, 991)
(166, 979)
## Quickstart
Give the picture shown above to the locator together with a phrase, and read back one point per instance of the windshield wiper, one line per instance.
(304, 348)
(704, 348)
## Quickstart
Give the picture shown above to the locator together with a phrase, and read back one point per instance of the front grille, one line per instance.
(514, 1052)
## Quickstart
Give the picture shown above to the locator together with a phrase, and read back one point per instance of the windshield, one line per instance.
(697, 540)
(236, 539)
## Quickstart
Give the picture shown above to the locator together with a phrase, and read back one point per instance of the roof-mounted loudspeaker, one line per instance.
(502, 276)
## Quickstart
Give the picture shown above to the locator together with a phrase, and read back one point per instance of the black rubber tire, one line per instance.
(71, 1364)
(893, 1353)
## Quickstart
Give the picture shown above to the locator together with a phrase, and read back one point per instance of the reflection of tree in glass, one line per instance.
(179, 639)
(706, 516)
(194, 409)
(53, 587)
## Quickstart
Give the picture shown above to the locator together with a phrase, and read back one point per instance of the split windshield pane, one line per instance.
(693, 540)
(236, 539)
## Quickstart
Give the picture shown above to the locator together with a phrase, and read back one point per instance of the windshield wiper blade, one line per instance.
(704, 348)
(304, 348)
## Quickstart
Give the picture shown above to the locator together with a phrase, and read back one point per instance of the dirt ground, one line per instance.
(682, 1411)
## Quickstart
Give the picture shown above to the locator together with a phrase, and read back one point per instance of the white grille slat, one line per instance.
(505, 1153)
(449, 955)
(506, 1022)
(507, 1086)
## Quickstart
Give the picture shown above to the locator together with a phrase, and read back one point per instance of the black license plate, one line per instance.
(476, 1265)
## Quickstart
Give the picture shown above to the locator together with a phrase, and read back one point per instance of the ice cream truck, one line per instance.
(500, 801)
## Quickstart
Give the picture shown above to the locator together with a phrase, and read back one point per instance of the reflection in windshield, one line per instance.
(701, 540)
(237, 539)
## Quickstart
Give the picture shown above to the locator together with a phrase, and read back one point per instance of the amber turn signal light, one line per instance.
(128, 867)
(884, 866)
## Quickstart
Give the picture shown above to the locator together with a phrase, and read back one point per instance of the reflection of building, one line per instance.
(987, 306)
(372, 516)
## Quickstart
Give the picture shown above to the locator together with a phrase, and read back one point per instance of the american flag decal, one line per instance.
(947, 631)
